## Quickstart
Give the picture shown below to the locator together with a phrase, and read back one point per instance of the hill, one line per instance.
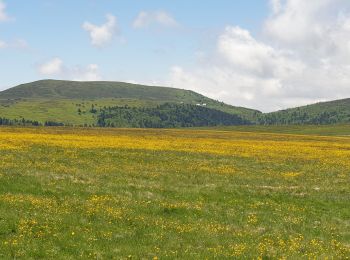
(333, 112)
(71, 102)
(59, 89)
(131, 105)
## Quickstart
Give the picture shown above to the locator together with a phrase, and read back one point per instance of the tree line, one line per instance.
(299, 117)
(167, 115)
(25, 122)
(170, 115)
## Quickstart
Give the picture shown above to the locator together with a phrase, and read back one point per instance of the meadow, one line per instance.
(70, 193)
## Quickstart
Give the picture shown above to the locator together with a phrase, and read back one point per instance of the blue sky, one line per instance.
(243, 52)
(54, 29)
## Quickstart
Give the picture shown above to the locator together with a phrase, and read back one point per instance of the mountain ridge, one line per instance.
(72, 89)
(71, 102)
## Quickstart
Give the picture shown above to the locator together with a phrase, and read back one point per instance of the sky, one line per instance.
(262, 54)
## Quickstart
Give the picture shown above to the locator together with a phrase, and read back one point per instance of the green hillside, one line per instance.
(332, 112)
(70, 102)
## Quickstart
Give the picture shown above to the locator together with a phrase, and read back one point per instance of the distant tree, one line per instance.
(51, 123)
(93, 110)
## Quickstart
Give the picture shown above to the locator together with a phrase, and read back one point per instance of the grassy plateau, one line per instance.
(248, 193)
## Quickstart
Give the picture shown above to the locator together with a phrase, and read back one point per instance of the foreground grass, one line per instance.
(78, 193)
(320, 130)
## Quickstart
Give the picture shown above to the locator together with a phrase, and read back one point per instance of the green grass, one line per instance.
(322, 130)
(187, 194)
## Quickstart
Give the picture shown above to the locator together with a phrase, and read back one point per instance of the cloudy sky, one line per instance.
(264, 54)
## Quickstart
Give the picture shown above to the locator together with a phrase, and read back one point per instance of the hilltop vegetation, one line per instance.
(59, 89)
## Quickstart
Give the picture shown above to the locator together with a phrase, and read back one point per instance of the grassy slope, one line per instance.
(341, 107)
(88, 194)
(63, 110)
(34, 100)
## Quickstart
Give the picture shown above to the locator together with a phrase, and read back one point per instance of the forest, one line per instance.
(166, 116)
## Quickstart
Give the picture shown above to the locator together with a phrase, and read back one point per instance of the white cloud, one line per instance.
(304, 58)
(242, 71)
(52, 67)
(56, 68)
(147, 19)
(89, 73)
(244, 53)
(104, 34)
(307, 23)
(3, 15)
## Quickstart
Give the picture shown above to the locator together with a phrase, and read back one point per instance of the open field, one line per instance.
(191, 194)
(318, 130)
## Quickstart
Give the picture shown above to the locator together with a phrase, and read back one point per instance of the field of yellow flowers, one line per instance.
(188, 194)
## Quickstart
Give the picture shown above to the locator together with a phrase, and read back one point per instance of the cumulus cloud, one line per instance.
(147, 19)
(51, 67)
(101, 35)
(3, 15)
(56, 68)
(88, 73)
(242, 71)
(246, 54)
(315, 28)
(304, 58)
